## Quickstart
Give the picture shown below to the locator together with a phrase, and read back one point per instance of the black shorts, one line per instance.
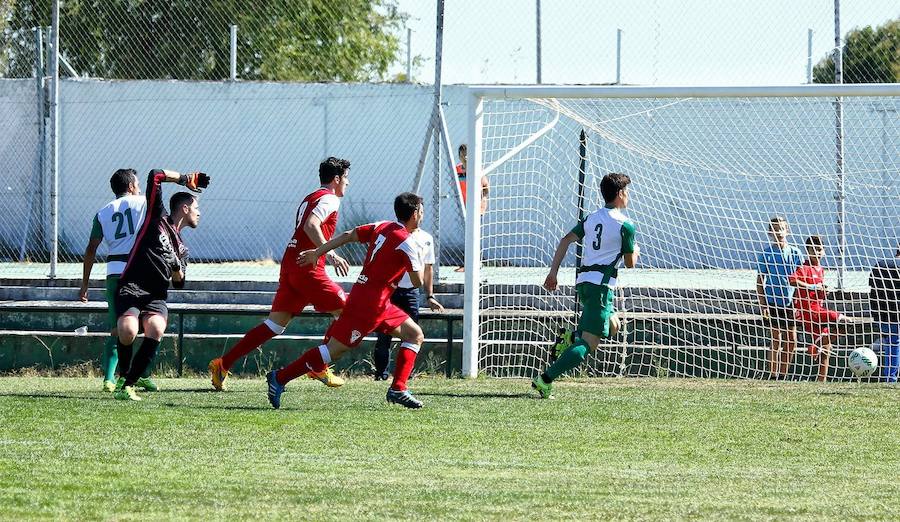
(782, 317)
(130, 299)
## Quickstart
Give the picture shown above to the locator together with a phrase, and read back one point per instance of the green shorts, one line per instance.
(596, 308)
(112, 281)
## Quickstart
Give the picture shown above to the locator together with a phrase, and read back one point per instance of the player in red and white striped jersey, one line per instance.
(299, 286)
(392, 252)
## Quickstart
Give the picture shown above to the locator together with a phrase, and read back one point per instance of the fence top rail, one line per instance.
(627, 91)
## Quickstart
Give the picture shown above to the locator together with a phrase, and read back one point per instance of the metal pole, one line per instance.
(809, 64)
(538, 36)
(54, 155)
(408, 55)
(618, 56)
(582, 167)
(436, 136)
(839, 145)
(233, 75)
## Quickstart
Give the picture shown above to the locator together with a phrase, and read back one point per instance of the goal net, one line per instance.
(709, 168)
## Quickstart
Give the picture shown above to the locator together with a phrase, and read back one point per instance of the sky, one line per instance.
(664, 42)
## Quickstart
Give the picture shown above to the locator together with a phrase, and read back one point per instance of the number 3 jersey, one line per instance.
(606, 236)
(117, 224)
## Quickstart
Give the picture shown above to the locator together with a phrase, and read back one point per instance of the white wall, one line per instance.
(19, 161)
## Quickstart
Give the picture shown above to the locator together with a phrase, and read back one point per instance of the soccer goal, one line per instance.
(710, 166)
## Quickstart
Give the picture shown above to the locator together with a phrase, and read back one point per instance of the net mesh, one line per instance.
(707, 176)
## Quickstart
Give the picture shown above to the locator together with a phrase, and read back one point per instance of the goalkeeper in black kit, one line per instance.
(157, 257)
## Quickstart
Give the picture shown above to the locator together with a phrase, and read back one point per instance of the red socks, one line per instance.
(311, 361)
(406, 360)
(251, 341)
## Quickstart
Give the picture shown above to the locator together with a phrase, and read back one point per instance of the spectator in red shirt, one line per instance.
(809, 304)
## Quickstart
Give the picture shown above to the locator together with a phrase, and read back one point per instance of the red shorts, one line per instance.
(354, 324)
(817, 320)
(297, 289)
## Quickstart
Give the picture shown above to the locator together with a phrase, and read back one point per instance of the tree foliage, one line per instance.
(869, 56)
(285, 40)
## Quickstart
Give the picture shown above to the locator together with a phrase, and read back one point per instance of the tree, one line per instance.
(868, 56)
(284, 40)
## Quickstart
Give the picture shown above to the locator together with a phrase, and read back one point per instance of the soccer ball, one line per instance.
(863, 362)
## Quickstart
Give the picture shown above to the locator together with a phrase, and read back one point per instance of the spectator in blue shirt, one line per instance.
(884, 300)
(778, 261)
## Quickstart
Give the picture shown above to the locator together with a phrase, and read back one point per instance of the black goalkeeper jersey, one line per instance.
(158, 250)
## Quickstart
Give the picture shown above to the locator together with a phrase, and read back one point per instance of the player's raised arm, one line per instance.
(550, 283)
(309, 257)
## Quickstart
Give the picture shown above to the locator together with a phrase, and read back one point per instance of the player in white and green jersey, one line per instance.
(608, 240)
(116, 224)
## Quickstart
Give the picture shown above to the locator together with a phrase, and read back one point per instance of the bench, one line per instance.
(180, 310)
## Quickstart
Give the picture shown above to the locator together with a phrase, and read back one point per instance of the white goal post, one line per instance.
(709, 166)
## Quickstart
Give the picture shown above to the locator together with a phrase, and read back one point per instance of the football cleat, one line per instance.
(127, 393)
(403, 398)
(109, 386)
(562, 343)
(327, 377)
(120, 382)
(545, 389)
(147, 384)
(275, 390)
(217, 374)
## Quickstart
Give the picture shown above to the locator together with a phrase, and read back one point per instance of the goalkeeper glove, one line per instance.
(196, 181)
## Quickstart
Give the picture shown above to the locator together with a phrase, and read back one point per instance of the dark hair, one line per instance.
(121, 180)
(405, 205)
(612, 184)
(332, 167)
(814, 241)
(180, 198)
(775, 220)
(462, 148)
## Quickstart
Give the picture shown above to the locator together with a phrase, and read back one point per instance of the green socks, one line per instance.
(110, 359)
(569, 359)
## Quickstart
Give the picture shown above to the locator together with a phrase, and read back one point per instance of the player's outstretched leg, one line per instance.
(219, 367)
(570, 359)
(315, 359)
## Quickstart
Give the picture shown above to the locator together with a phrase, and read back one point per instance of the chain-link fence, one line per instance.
(257, 95)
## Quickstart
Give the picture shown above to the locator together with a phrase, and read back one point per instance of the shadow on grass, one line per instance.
(472, 395)
(109, 398)
(56, 396)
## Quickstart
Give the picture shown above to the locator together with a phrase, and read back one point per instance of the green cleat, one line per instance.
(147, 384)
(109, 386)
(562, 343)
(127, 393)
(120, 383)
(545, 389)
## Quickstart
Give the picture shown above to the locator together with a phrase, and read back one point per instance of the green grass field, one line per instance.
(484, 449)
